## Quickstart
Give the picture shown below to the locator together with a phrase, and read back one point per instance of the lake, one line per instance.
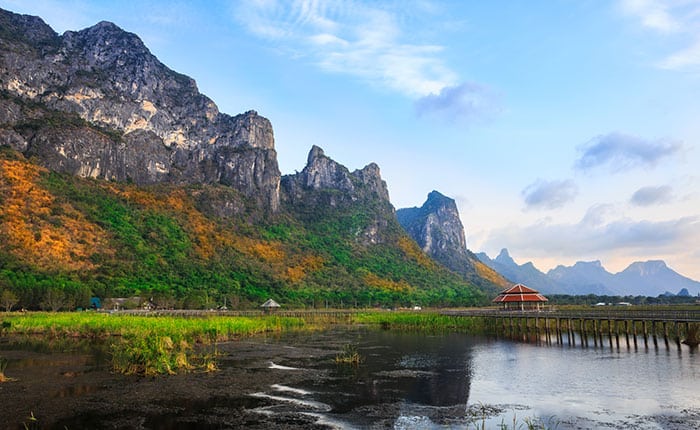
(405, 381)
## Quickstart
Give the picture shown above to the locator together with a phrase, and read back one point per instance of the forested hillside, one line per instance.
(67, 239)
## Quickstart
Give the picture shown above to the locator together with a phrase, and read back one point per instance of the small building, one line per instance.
(520, 297)
(270, 305)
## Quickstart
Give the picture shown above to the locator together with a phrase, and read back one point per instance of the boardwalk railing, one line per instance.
(607, 314)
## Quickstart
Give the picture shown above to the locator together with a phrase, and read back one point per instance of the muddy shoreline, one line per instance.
(256, 387)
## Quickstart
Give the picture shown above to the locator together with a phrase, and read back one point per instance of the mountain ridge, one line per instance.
(119, 178)
(649, 278)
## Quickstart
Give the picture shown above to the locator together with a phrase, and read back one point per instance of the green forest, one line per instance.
(67, 239)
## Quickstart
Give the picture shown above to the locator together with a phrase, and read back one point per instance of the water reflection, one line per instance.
(406, 381)
(413, 376)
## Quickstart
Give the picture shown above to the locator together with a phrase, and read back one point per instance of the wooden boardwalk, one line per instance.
(603, 314)
(587, 327)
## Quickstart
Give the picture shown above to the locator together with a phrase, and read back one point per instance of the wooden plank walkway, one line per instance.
(593, 314)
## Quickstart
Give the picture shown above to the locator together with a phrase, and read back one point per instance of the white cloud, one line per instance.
(684, 58)
(364, 40)
(653, 14)
(680, 18)
(549, 194)
(621, 151)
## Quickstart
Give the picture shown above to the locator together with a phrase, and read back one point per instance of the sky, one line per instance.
(566, 130)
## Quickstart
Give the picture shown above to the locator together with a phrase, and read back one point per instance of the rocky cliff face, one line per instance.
(97, 103)
(435, 225)
(437, 229)
(325, 185)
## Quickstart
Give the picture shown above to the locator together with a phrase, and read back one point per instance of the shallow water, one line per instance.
(458, 381)
(406, 381)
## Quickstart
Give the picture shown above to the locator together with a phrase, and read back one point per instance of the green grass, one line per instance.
(158, 345)
(424, 321)
(151, 345)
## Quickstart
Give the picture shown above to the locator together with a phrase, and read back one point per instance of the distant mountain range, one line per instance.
(650, 278)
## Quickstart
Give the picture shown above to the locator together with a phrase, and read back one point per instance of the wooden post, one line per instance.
(644, 329)
(678, 334)
(627, 332)
(570, 331)
(610, 337)
(595, 333)
(617, 334)
(665, 334)
(560, 340)
(653, 334)
(634, 333)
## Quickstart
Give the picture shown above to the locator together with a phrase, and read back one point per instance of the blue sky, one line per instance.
(565, 130)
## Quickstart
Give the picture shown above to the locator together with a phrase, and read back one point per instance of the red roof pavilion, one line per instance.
(520, 297)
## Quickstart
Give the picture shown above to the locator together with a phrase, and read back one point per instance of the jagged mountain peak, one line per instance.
(314, 153)
(438, 230)
(323, 173)
(504, 257)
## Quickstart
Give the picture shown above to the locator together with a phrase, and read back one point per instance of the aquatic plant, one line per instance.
(3, 366)
(33, 422)
(421, 321)
(692, 337)
(349, 355)
(151, 345)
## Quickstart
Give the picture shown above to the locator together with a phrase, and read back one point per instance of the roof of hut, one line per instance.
(270, 304)
(519, 293)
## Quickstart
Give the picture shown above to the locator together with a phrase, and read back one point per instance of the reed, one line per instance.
(349, 355)
(154, 345)
(145, 345)
(3, 366)
(421, 322)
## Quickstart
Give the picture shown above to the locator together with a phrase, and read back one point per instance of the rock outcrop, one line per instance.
(437, 229)
(325, 185)
(97, 103)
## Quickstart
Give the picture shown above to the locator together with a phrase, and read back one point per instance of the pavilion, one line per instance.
(520, 297)
(270, 305)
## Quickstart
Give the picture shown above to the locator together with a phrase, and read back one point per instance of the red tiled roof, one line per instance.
(519, 293)
(519, 289)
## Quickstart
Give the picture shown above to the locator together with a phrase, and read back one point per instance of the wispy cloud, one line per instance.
(365, 40)
(373, 41)
(622, 151)
(648, 196)
(680, 18)
(654, 14)
(544, 194)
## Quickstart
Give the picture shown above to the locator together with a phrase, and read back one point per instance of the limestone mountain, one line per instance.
(96, 103)
(437, 229)
(325, 187)
(117, 178)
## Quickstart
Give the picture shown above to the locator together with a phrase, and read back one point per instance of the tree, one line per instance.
(54, 299)
(8, 299)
